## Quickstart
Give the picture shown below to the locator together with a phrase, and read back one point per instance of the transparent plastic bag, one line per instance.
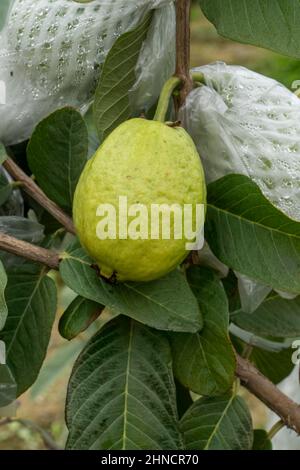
(243, 122)
(157, 59)
(23, 229)
(51, 52)
(251, 293)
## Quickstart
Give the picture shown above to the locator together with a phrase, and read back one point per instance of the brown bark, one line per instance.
(33, 190)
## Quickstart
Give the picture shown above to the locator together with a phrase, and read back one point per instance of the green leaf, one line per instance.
(261, 440)
(93, 138)
(183, 398)
(112, 104)
(78, 317)
(248, 234)
(275, 317)
(5, 189)
(121, 394)
(274, 365)
(3, 154)
(4, 7)
(268, 23)
(8, 387)
(205, 361)
(3, 306)
(165, 304)
(31, 302)
(220, 423)
(57, 153)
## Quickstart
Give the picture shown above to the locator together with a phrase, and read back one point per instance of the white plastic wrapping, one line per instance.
(287, 439)
(251, 293)
(157, 59)
(51, 53)
(243, 122)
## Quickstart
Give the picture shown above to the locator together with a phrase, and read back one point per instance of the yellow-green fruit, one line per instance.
(149, 163)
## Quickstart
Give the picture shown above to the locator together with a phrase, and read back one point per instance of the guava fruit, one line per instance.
(145, 162)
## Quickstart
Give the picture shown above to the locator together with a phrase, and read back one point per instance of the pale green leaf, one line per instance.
(272, 24)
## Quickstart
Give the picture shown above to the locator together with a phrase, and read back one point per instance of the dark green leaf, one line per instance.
(274, 365)
(265, 23)
(78, 317)
(57, 153)
(220, 423)
(112, 105)
(183, 398)
(251, 236)
(121, 394)
(5, 189)
(31, 302)
(3, 154)
(166, 304)
(205, 361)
(275, 317)
(261, 440)
(93, 138)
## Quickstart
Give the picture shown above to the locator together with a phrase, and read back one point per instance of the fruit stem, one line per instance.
(164, 99)
(198, 77)
(275, 429)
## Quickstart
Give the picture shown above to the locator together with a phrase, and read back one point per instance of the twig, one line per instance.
(33, 190)
(183, 8)
(269, 394)
(47, 438)
(29, 251)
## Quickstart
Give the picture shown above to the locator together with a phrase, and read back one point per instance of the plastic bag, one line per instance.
(251, 293)
(157, 59)
(243, 122)
(52, 50)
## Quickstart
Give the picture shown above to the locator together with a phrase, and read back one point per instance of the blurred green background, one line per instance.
(44, 405)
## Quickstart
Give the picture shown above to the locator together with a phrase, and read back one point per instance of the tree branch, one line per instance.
(183, 9)
(28, 251)
(33, 190)
(269, 394)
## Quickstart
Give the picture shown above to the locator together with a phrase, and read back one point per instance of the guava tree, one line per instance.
(163, 362)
